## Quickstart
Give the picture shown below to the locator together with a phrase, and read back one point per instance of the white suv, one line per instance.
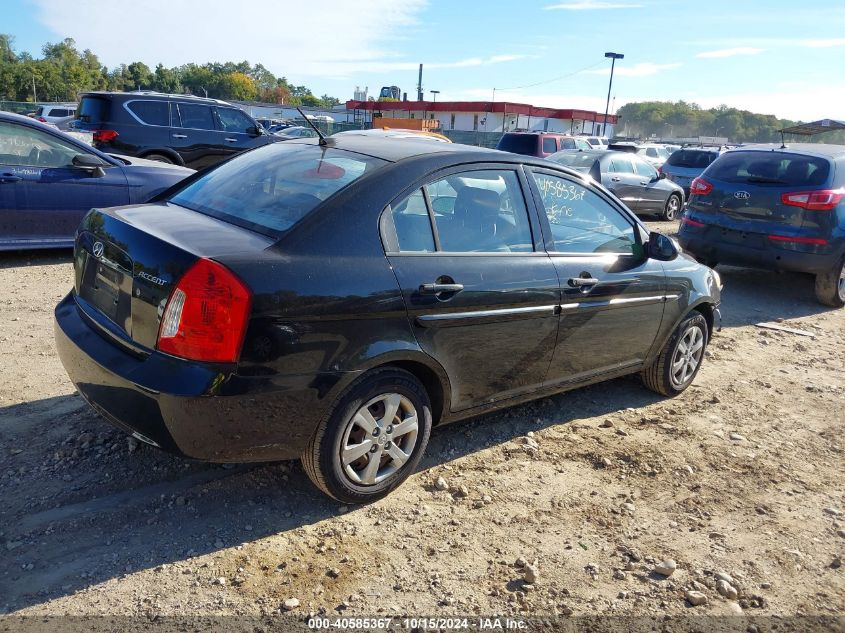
(59, 115)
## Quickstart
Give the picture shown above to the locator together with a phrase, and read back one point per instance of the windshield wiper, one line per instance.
(773, 181)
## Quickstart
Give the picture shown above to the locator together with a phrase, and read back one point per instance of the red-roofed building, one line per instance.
(486, 116)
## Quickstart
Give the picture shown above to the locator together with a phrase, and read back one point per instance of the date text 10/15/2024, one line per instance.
(457, 624)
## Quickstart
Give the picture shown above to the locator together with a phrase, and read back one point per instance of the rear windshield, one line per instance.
(518, 143)
(576, 160)
(775, 168)
(94, 110)
(691, 158)
(272, 188)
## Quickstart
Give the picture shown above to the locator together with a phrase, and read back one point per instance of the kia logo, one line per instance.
(98, 249)
(742, 195)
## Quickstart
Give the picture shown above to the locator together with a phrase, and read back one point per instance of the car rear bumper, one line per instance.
(192, 409)
(755, 250)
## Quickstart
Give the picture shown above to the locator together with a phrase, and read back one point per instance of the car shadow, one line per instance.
(83, 503)
(41, 257)
(750, 296)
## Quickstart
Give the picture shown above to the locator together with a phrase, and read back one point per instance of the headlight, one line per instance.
(717, 278)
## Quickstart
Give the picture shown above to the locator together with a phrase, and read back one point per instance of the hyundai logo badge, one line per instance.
(98, 249)
(742, 195)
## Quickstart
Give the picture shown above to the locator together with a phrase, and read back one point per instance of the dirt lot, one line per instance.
(741, 475)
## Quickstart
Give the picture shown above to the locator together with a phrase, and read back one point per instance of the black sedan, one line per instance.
(335, 301)
(50, 180)
(634, 181)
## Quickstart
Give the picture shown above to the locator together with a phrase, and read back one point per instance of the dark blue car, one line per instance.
(49, 180)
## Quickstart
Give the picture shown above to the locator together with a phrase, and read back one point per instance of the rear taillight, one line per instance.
(700, 187)
(42, 119)
(691, 222)
(206, 315)
(104, 136)
(823, 200)
(797, 240)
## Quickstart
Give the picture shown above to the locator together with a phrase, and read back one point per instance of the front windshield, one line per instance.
(272, 188)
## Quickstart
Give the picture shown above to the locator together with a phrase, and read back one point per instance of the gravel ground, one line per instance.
(577, 504)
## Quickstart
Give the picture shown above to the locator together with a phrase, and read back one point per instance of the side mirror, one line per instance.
(90, 163)
(255, 131)
(661, 175)
(661, 247)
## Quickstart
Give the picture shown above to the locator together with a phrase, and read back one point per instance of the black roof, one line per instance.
(818, 149)
(154, 94)
(396, 149)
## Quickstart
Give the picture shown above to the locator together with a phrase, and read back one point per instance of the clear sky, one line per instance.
(779, 57)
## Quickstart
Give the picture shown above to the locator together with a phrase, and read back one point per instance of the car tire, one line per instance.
(672, 208)
(672, 372)
(358, 422)
(161, 158)
(830, 286)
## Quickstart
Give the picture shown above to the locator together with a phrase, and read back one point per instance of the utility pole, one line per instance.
(34, 96)
(614, 57)
(419, 86)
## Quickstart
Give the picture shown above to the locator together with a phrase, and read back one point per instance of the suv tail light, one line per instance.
(823, 200)
(206, 315)
(700, 187)
(42, 119)
(104, 136)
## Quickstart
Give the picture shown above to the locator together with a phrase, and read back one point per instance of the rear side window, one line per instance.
(771, 168)
(196, 116)
(270, 189)
(549, 146)
(150, 112)
(94, 110)
(413, 225)
(621, 165)
(518, 143)
(474, 212)
(691, 158)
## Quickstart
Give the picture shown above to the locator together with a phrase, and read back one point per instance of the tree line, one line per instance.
(665, 119)
(63, 72)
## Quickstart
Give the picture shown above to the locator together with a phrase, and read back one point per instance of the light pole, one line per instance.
(614, 57)
(435, 93)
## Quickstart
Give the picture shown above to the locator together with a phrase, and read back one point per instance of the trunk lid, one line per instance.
(127, 261)
(748, 187)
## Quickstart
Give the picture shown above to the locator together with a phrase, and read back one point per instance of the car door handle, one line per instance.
(435, 288)
(582, 282)
(180, 136)
(644, 183)
(616, 179)
(9, 178)
(231, 140)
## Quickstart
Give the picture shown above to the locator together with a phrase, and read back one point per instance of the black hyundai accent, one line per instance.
(335, 301)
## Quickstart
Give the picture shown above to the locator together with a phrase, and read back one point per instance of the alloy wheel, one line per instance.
(379, 439)
(687, 356)
(673, 205)
(841, 286)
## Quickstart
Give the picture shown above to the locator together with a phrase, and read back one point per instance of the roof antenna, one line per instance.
(323, 140)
